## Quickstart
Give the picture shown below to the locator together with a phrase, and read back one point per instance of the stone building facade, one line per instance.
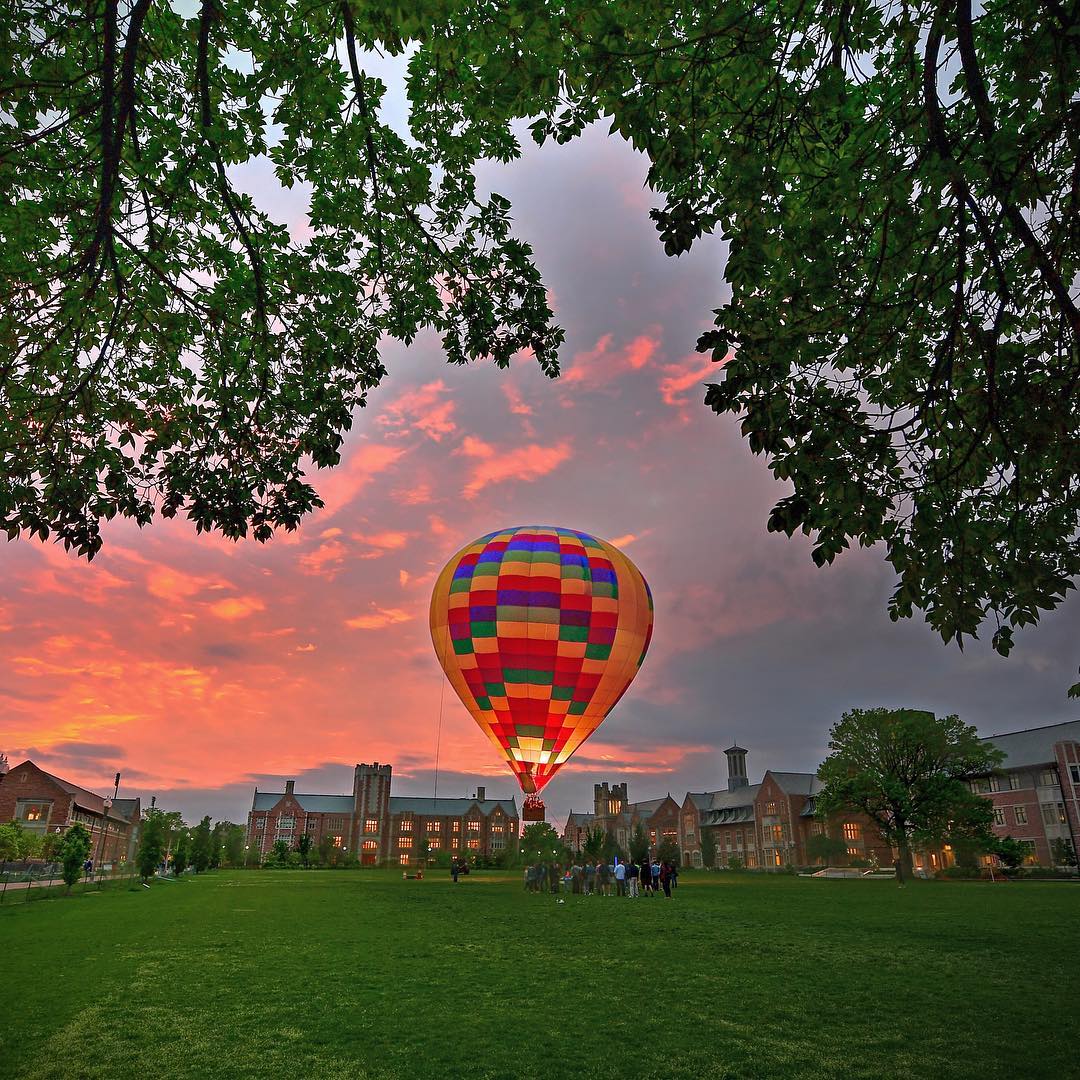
(381, 829)
(45, 803)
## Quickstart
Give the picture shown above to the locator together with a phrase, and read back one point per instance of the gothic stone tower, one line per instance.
(371, 813)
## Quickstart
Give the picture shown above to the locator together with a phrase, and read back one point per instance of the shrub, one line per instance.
(735, 863)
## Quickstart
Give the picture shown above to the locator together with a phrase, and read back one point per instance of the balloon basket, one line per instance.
(533, 809)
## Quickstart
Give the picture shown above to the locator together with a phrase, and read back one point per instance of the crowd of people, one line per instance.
(629, 879)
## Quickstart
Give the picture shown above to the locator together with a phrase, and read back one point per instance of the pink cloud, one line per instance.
(521, 463)
(341, 485)
(678, 378)
(601, 364)
(326, 559)
(236, 607)
(516, 402)
(421, 410)
(379, 618)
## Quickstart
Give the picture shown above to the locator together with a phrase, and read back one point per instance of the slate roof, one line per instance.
(86, 799)
(1034, 746)
(797, 783)
(126, 807)
(647, 808)
(726, 800)
(311, 804)
(401, 803)
(701, 799)
(574, 818)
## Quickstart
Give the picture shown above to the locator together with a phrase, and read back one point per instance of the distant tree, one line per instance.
(594, 843)
(668, 851)
(234, 844)
(303, 849)
(1011, 853)
(825, 848)
(253, 853)
(907, 770)
(50, 846)
(217, 843)
(735, 863)
(200, 845)
(10, 841)
(151, 843)
(1061, 852)
(278, 856)
(639, 844)
(74, 851)
(541, 843)
(174, 826)
(180, 853)
(708, 849)
(326, 850)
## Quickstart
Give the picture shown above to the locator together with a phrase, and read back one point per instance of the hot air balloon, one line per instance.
(540, 630)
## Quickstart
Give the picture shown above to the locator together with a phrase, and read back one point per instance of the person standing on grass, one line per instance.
(620, 879)
(656, 875)
(632, 873)
(590, 878)
(665, 878)
(646, 876)
(603, 874)
(454, 870)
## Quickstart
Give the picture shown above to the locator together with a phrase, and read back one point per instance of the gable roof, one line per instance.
(127, 807)
(727, 800)
(796, 783)
(405, 803)
(80, 796)
(310, 804)
(647, 808)
(574, 818)
(701, 799)
(1034, 746)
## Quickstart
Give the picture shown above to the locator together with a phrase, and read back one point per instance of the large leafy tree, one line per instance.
(73, 852)
(153, 837)
(201, 845)
(906, 770)
(896, 185)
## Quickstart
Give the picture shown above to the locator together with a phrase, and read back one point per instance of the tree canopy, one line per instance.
(896, 185)
(906, 770)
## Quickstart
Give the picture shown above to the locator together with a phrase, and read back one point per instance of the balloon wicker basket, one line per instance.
(533, 808)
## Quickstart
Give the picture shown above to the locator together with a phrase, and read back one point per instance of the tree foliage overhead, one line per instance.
(896, 183)
(906, 770)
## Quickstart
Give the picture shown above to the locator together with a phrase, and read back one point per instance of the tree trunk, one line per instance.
(904, 862)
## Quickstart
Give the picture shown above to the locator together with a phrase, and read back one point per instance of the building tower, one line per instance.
(3, 765)
(371, 803)
(736, 768)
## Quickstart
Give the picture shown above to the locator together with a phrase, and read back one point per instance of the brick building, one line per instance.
(613, 813)
(383, 829)
(45, 803)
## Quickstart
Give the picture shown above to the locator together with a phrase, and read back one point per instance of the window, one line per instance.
(33, 811)
(370, 845)
(335, 824)
(979, 787)
(773, 834)
(816, 828)
(999, 815)
(433, 844)
(371, 825)
(337, 841)
(456, 827)
(474, 845)
(404, 842)
(434, 826)
(403, 859)
(496, 843)
(1053, 813)
(853, 851)
(312, 824)
(1048, 777)
(995, 783)
(1074, 772)
(260, 824)
(406, 824)
(1016, 781)
(770, 809)
(851, 830)
(474, 826)
(730, 842)
(286, 821)
(496, 828)
(1020, 813)
(1031, 855)
(690, 838)
(652, 836)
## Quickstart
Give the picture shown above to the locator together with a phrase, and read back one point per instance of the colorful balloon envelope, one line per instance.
(540, 631)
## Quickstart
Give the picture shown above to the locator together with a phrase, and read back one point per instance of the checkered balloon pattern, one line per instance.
(540, 631)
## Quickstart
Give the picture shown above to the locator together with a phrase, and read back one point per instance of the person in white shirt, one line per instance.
(620, 879)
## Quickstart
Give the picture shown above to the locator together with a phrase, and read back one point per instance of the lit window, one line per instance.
(371, 825)
(474, 826)
(434, 826)
(403, 860)
(474, 845)
(337, 841)
(35, 811)
(433, 844)
(496, 828)
(1030, 853)
(1016, 781)
(1020, 813)
(999, 815)
(853, 851)
(456, 827)
(770, 809)
(370, 845)
(404, 842)
(851, 830)
(406, 824)
(652, 836)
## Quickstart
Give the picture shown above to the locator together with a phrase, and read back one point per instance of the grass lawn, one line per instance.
(358, 974)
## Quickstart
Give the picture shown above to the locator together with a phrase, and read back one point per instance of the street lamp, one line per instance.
(107, 804)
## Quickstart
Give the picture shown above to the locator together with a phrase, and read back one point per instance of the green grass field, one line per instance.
(358, 974)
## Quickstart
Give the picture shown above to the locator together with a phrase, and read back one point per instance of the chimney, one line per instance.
(479, 794)
(289, 785)
(736, 767)
(3, 764)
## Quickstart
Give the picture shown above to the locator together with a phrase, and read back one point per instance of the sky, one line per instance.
(200, 668)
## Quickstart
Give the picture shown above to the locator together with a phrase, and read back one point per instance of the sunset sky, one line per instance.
(200, 668)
